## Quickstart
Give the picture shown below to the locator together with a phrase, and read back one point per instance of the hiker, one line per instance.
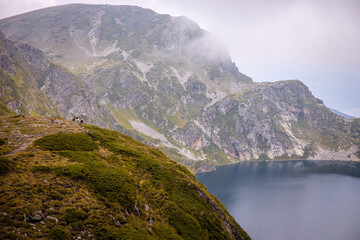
(82, 121)
(77, 119)
(73, 118)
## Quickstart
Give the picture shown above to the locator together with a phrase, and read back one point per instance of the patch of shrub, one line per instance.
(74, 215)
(3, 141)
(8, 235)
(42, 169)
(59, 233)
(185, 224)
(212, 224)
(4, 110)
(157, 153)
(66, 141)
(55, 195)
(114, 184)
(26, 154)
(6, 165)
(115, 142)
(3, 149)
(122, 234)
(165, 232)
(81, 157)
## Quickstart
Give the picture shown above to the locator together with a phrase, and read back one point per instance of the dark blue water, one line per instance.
(291, 200)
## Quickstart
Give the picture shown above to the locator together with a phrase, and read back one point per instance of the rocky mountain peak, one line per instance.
(165, 81)
(98, 31)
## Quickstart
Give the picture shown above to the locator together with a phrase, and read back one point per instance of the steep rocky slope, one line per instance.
(173, 85)
(280, 120)
(31, 84)
(63, 180)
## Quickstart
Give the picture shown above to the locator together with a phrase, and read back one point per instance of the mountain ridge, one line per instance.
(168, 82)
(342, 114)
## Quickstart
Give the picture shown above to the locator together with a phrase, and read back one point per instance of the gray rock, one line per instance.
(53, 218)
(236, 119)
(36, 216)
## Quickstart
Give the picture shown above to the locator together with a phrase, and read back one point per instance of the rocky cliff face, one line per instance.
(31, 84)
(19, 86)
(173, 85)
(279, 120)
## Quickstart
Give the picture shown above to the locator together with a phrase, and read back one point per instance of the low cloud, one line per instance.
(15, 7)
(353, 112)
(265, 38)
(208, 47)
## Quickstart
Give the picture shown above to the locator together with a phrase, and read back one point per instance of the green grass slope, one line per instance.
(62, 180)
(4, 110)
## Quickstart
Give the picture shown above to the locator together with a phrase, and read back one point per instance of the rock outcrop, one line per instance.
(128, 64)
(31, 84)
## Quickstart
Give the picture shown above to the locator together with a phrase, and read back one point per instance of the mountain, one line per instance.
(33, 85)
(64, 180)
(341, 114)
(169, 83)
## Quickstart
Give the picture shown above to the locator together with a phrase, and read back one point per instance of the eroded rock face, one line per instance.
(281, 120)
(190, 136)
(225, 106)
(276, 120)
(133, 64)
(44, 87)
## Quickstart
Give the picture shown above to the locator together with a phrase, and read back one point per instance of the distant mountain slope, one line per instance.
(83, 35)
(62, 180)
(4, 110)
(31, 84)
(341, 114)
(20, 81)
(173, 85)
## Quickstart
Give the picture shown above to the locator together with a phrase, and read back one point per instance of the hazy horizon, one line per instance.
(315, 42)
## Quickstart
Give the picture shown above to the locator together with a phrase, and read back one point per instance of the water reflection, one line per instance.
(291, 200)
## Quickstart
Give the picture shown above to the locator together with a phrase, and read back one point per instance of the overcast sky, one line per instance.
(317, 42)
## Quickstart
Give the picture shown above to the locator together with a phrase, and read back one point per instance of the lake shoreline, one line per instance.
(294, 199)
(345, 167)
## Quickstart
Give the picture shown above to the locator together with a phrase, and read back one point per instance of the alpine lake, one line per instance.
(290, 200)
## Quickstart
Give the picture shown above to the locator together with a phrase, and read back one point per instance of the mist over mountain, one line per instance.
(171, 84)
(341, 114)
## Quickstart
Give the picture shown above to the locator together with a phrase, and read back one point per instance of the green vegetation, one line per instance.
(59, 233)
(101, 183)
(122, 234)
(111, 183)
(166, 86)
(73, 215)
(4, 110)
(6, 165)
(3, 146)
(66, 141)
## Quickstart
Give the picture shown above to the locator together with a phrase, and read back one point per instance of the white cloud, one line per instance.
(353, 112)
(268, 40)
(14, 7)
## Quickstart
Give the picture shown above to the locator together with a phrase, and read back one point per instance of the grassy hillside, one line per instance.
(61, 180)
(4, 110)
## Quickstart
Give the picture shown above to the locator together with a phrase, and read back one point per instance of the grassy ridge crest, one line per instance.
(82, 180)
